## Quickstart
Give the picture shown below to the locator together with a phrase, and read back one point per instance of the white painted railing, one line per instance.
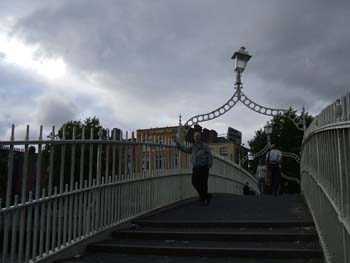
(56, 193)
(325, 172)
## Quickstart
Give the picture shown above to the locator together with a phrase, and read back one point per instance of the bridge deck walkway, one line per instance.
(247, 229)
(240, 208)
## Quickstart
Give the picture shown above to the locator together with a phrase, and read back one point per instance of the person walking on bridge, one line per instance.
(202, 161)
(261, 175)
(273, 165)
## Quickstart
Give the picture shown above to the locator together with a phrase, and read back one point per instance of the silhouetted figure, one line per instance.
(261, 175)
(273, 164)
(247, 190)
(202, 161)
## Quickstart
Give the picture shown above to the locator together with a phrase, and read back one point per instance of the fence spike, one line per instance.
(27, 133)
(74, 132)
(100, 133)
(41, 133)
(64, 132)
(108, 134)
(83, 133)
(114, 134)
(53, 132)
(12, 133)
(92, 133)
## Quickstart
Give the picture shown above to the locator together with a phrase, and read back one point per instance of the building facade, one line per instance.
(229, 147)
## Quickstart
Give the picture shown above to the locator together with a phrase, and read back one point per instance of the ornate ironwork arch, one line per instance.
(238, 95)
(285, 154)
(266, 149)
(298, 121)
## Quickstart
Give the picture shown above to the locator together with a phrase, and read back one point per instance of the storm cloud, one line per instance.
(139, 64)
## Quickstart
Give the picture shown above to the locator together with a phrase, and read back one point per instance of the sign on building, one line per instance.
(234, 135)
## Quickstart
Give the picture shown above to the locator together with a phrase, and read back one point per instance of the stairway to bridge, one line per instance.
(234, 229)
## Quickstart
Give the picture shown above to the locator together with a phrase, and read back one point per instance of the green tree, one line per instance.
(88, 124)
(91, 126)
(288, 138)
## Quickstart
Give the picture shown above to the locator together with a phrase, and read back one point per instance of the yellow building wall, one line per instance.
(155, 133)
(227, 149)
(165, 135)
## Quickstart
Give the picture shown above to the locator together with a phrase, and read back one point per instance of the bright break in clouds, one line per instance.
(139, 64)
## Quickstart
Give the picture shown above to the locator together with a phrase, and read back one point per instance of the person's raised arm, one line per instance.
(181, 147)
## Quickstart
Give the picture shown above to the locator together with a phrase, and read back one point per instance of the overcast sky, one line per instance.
(139, 64)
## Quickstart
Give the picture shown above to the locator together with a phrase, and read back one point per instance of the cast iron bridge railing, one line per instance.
(59, 192)
(65, 191)
(325, 178)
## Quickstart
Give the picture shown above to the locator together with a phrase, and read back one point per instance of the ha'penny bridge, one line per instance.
(117, 198)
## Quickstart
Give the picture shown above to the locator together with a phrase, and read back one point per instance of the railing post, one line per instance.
(75, 206)
(23, 196)
(8, 196)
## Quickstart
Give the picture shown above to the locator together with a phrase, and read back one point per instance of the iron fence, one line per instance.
(325, 169)
(58, 192)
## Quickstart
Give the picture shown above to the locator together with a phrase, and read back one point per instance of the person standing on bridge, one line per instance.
(261, 175)
(202, 161)
(273, 165)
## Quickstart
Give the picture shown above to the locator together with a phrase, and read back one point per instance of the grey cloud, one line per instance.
(20, 7)
(308, 48)
(18, 86)
(55, 110)
(185, 45)
(176, 54)
(18, 91)
(148, 47)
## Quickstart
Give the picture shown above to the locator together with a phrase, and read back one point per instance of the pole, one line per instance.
(238, 83)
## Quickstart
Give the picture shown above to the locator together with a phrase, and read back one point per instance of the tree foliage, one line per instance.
(92, 129)
(88, 124)
(287, 138)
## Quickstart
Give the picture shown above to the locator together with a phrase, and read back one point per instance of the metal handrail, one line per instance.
(325, 170)
(68, 190)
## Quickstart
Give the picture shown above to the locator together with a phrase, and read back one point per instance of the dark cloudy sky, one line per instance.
(139, 64)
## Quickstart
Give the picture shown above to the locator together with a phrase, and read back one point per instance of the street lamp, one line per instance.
(250, 158)
(268, 131)
(240, 59)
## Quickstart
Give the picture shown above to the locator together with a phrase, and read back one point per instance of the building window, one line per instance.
(223, 151)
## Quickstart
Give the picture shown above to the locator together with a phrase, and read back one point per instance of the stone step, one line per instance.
(124, 258)
(217, 224)
(211, 248)
(206, 234)
(293, 229)
(232, 229)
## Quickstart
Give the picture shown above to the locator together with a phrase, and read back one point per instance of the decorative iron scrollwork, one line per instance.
(240, 96)
(265, 150)
(215, 113)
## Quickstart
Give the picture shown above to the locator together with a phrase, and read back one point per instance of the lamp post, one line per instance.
(250, 158)
(268, 131)
(240, 60)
